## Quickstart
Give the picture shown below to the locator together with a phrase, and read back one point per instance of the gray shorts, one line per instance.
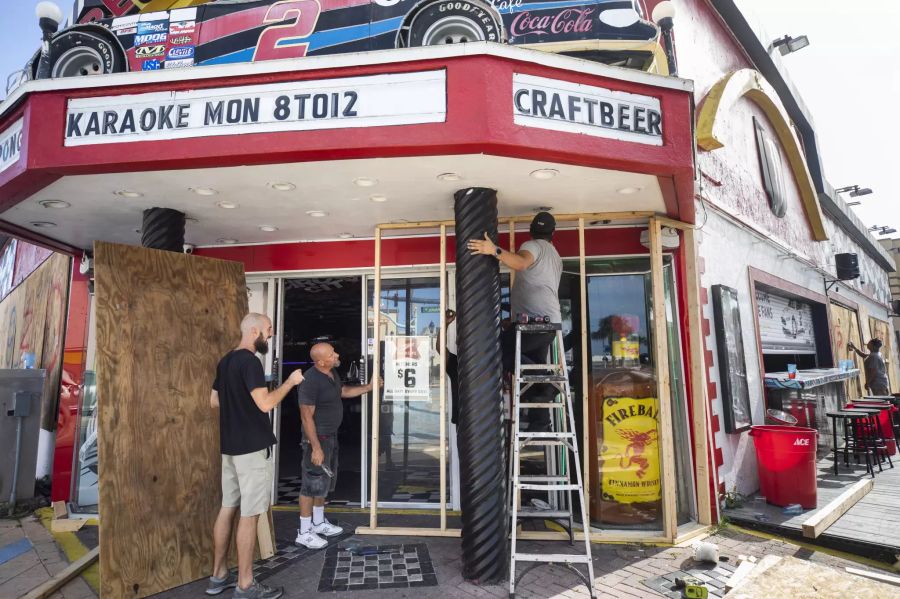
(247, 481)
(316, 483)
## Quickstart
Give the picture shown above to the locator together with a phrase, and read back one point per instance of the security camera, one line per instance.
(189, 248)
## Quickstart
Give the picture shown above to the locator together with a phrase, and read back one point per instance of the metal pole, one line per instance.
(376, 370)
(442, 380)
(15, 476)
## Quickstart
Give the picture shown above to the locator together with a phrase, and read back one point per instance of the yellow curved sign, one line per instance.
(629, 454)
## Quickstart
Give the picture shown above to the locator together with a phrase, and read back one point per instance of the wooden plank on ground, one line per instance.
(66, 525)
(801, 579)
(828, 515)
(164, 319)
(879, 576)
(60, 510)
(51, 586)
(743, 569)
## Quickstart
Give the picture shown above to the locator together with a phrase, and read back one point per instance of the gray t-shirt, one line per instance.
(876, 373)
(536, 289)
(323, 392)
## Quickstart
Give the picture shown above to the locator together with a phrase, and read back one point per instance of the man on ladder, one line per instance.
(534, 301)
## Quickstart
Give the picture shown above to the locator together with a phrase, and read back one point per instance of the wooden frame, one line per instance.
(696, 376)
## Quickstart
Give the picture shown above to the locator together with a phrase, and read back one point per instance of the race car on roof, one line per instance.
(110, 36)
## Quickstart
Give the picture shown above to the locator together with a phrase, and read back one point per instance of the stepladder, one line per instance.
(561, 478)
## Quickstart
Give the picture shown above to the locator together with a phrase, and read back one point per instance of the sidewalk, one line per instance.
(29, 555)
(432, 568)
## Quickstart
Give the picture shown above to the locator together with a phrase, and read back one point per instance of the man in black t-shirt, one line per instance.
(321, 413)
(245, 438)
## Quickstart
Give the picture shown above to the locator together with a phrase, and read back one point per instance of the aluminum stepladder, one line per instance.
(561, 444)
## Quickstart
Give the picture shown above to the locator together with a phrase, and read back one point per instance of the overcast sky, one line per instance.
(849, 77)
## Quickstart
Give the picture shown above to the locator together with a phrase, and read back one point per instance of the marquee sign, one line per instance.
(11, 145)
(369, 101)
(575, 108)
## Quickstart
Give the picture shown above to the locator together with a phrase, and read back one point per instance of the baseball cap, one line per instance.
(543, 222)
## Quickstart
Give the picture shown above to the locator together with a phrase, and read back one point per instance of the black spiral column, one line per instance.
(481, 437)
(163, 229)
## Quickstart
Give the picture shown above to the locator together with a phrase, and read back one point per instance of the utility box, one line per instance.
(20, 400)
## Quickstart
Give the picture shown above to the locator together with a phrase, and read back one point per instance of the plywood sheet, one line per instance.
(163, 321)
(844, 329)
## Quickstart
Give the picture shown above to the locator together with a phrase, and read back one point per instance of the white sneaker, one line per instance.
(326, 528)
(310, 540)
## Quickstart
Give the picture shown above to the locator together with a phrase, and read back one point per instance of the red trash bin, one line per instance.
(786, 462)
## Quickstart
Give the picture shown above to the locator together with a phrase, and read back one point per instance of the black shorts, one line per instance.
(316, 483)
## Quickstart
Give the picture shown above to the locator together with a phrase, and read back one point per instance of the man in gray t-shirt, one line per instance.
(876, 372)
(535, 292)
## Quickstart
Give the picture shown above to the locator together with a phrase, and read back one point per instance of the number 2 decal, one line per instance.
(305, 14)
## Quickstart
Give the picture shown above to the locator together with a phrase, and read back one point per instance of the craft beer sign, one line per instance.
(370, 101)
(576, 108)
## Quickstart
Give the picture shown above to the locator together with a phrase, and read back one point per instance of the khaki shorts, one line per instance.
(247, 481)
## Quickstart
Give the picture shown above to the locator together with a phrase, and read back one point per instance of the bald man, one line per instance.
(321, 413)
(245, 439)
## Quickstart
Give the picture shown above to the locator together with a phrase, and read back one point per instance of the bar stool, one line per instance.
(893, 413)
(872, 435)
(853, 426)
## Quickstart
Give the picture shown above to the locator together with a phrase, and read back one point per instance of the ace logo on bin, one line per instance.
(802, 442)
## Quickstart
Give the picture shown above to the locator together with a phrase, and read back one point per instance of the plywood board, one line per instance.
(800, 579)
(845, 329)
(163, 321)
(828, 515)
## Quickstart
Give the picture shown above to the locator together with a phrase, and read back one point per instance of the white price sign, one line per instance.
(406, 363)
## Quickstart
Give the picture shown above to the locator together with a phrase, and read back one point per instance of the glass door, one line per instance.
(409, 436)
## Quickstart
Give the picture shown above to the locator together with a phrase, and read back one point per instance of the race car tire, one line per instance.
(81, 52)
(453, 22)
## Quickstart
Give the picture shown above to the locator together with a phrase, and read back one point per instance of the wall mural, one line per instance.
(32, 318)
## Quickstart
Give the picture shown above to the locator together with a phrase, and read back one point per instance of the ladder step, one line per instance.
(536, 478)
(536, 513)
(547, 487)
(540, 366)
(548, 435)
(556, 558)
(542, 378)
(539, 327)
(528, 406)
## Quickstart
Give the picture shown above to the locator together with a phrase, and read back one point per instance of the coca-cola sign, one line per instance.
(569, 20)
(586, 109)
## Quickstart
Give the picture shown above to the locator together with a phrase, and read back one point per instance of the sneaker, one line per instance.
(326, 528)
(217, 585)
(310, 540)
(257, 590)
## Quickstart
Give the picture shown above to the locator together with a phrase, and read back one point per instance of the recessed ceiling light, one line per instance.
(544, 173)
(226, 205)
(42, 224)
(226, 240)
(204, 191)
(365, 182)
(283, 186)
(345, 235)
(628, 190)
(449, 177)
(268, 228)
(127, 193)
(54, 204)
(378, 198)
(316, 213)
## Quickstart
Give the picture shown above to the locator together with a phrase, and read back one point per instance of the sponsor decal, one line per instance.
(585, 109)
(569, 20)
(11, 145)
(181, 40)
(145, 27)
(180, 52)
(182, 28)
(151, 65)
(125, 25)
(149, 51)
(179, 64)
(149, 38)
(366, 101)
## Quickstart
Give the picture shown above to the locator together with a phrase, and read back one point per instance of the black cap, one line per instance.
(543, 222)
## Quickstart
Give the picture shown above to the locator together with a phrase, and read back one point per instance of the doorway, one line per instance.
(322, 309)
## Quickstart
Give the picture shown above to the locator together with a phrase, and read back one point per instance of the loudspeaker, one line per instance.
(895, 307)
(847, 266)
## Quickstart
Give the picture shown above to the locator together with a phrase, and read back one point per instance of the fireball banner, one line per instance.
(629, 453)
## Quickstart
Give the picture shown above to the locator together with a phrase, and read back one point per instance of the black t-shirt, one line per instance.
(323, 392)
(243, 427)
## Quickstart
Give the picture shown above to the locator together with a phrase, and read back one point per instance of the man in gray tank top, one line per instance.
(535, 292)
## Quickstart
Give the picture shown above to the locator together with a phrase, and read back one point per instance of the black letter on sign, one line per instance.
(214, 113)
(606, 114)
(517, 99)
(73, 127)
(348, 109)
(654, 120)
